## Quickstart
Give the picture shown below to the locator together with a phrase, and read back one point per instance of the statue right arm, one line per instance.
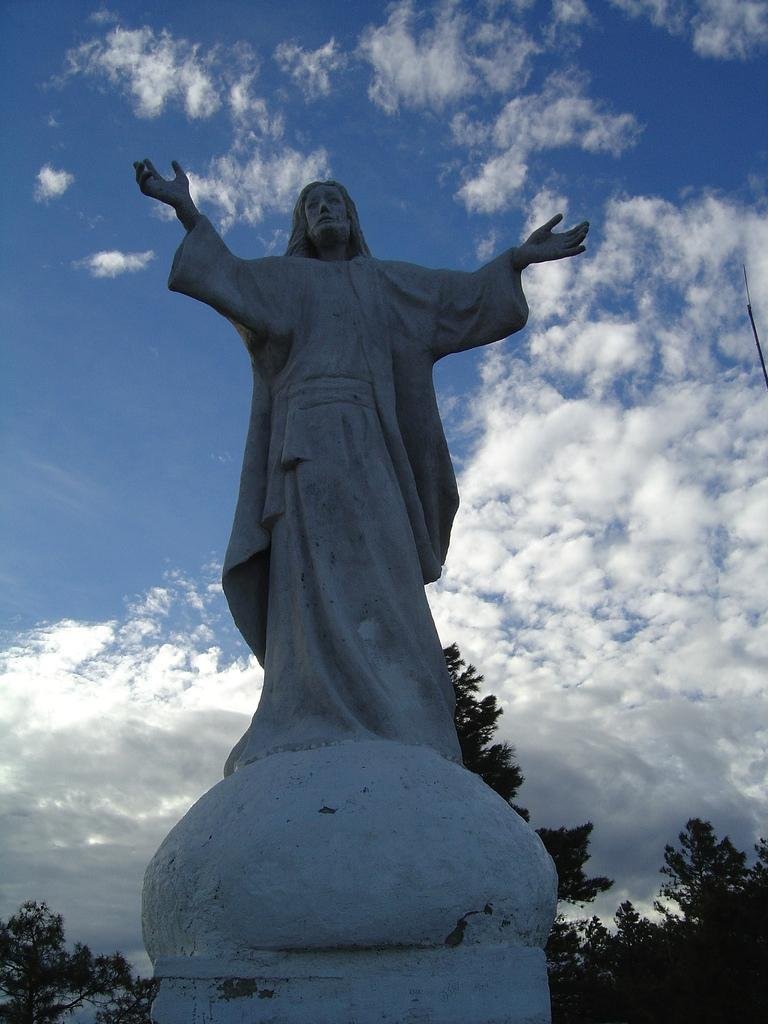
(254, 295)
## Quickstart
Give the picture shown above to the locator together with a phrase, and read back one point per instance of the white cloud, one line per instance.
(253, 123)
(561, 115)
(51, 183)
(456, 57)
(109, 731)
(103, 16)
(730, 28)
(244, 188)
(252, 118)
(570, 12)
(112, 262)
(310, 69)
(669, 14)
(153, 68)
(566, 19)
(487, 246)
(609, 566)
(724, 29)
(256, 174)
(497, 180)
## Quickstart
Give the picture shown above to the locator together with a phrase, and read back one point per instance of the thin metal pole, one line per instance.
(754, 329)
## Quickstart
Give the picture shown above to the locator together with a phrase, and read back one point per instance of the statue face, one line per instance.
(327, 220)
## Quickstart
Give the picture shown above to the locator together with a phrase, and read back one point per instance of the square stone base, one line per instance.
(460, 985)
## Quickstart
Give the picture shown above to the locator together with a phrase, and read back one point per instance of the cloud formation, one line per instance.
(244, 188)
(561, 115)
(609, 565)
(153, 68)
(258, 173)
(310, 69)
(112, 262)
(50, 183)
(454, 58)
(108, 732)
(723, 29)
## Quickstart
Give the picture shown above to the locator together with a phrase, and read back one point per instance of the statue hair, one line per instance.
(300, 244)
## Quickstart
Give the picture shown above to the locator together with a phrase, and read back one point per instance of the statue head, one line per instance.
(301, 244)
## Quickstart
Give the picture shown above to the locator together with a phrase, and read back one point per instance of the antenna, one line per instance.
(754, 329)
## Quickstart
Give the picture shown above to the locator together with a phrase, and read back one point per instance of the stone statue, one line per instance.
(347, 492)
(347, 869)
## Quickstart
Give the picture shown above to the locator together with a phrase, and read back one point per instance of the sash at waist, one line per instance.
(295, 435)
(319, 390)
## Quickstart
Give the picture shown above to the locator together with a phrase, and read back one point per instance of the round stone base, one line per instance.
(453, 985)
(356, 846)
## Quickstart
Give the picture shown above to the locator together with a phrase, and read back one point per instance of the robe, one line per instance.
(347, 492)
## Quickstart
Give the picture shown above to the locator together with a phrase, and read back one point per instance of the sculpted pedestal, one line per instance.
(358, 883)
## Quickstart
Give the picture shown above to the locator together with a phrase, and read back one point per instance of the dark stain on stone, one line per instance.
(238, 988)
(488, 908)
(327, 810)
(456, 937)
(266, 993)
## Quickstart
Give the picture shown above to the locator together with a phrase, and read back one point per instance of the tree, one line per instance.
(702, 871)
(569, 849)
(705, 960)
(131, 1005)
(476, 722)
(715, 929)
(40, 981)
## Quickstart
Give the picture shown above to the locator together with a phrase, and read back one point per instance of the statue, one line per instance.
(347, 493)
(347, 869)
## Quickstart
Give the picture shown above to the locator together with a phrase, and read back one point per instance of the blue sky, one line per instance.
(609, 567)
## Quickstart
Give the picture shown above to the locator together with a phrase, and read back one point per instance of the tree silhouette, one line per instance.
(704, 960)
(130, 1005)
(476, 723)
(569, 849)
(714, 922)
(701, 872)
(40, 981)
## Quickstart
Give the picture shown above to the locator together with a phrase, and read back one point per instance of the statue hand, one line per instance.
(544, 245)
(173, 192)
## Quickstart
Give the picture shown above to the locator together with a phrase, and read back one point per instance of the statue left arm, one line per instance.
(489, 304)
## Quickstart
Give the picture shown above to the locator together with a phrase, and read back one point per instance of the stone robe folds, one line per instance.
(347, 493)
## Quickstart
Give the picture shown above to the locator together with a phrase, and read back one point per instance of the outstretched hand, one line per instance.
(544, 245)
(171, 191)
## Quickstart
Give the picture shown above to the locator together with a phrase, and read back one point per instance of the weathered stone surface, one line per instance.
(347, 493)
(463, 985)
(352, 846)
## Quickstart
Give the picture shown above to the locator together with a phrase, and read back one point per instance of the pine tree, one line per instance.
(569, 849)
(40, 982)
(714, 923)
(476, 723)
(130, 1005)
